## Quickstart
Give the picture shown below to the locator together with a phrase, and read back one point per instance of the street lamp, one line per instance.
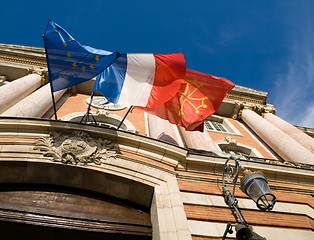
(254, 185)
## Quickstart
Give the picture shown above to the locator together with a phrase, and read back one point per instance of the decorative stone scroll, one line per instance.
(78, 148)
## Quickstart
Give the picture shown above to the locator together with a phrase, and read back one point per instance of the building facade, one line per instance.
(79, 177)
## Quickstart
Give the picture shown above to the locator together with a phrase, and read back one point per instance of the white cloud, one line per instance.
(308, 117)
(294, 91)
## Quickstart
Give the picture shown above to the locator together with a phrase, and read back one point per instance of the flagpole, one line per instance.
(53, 102)
(50, 82)
(127, 113)
(86, 116)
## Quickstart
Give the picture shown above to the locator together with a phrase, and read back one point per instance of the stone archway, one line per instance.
(46, 199)
(142, 174)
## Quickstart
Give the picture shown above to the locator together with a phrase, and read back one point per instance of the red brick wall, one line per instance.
(245, 138)
(77, 103)
(254, 217)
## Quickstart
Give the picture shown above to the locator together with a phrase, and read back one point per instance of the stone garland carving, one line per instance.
(78, 148)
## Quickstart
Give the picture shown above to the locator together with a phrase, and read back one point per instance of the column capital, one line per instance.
(269, 108)
(258, 108)
(41, 72)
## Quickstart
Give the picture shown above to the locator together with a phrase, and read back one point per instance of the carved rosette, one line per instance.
(78, 148)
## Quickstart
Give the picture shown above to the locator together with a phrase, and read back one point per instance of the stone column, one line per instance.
(280, 142)
(199, 140)
(14, 91)
(34, 105)
(298, 135)
(163, 130)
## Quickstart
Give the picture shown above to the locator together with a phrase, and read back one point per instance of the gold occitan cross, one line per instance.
(188, 99)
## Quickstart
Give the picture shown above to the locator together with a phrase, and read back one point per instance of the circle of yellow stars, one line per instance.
(75, 64)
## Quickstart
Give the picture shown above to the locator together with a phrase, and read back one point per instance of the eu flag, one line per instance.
(69, 62)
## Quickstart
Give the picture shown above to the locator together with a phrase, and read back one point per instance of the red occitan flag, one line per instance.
(199, 97)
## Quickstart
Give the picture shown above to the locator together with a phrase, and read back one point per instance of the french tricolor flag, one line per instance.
(144, 80)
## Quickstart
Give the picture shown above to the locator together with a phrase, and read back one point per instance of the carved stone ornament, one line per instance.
(78, 148)
(103, 103)
(237, 110)
(259, 109)
(231, 140)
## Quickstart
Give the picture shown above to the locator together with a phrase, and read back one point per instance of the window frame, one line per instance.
(219, 124)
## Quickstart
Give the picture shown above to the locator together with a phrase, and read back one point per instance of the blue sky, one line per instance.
(266, 45)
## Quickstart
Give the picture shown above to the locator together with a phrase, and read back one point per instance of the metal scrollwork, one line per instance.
(230, 174)
(78, 148)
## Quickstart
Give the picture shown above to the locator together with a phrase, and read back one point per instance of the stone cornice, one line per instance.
(244, 98)
(22, 60)
(308, 131)
(32, 56)
(169, 155)
(244, 94)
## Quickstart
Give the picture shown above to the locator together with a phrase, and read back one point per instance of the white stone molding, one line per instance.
(237, 146)
(218, 201)
(216, 230)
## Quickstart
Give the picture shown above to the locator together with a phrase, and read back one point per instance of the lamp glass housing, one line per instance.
(256, 187)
